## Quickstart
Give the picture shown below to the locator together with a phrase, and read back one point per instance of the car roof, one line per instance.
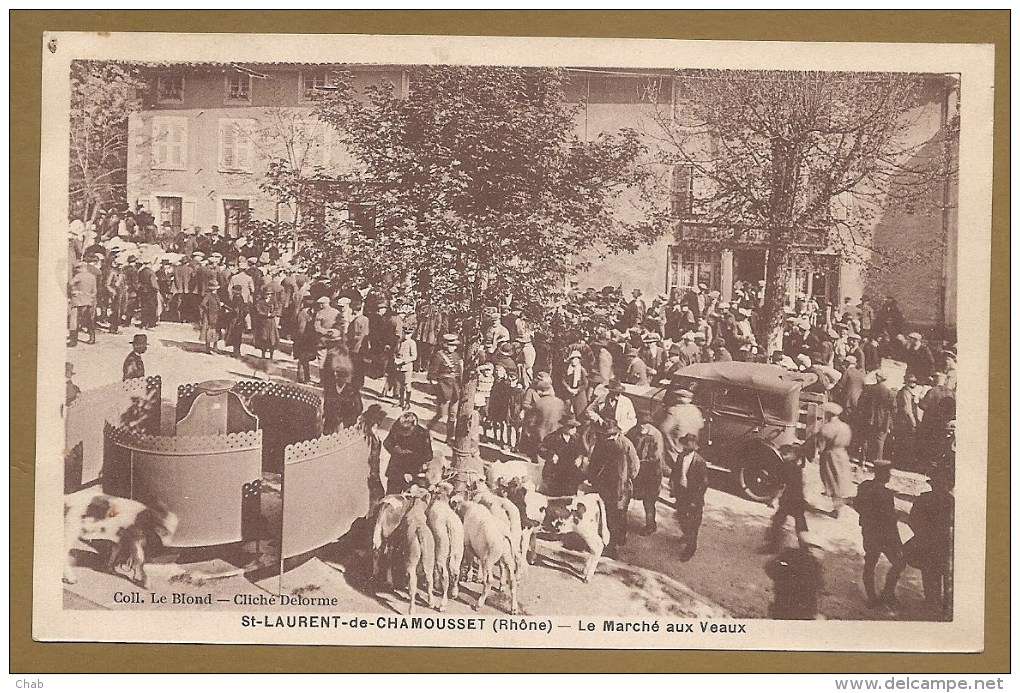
(764, 377)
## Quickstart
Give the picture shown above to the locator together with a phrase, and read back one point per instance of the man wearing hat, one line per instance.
(932, 519)
(541, 418)
(563, 452)
(875, 504)
(209, 316)
(874, 416)
(906, 415)
(939, 407)
(920, 361)
(848, 390)
(634, 313)
(134, 367)
(616, 407)
(335, 377)
(636, 372)
(613, 467)
(652, 353)
(689, 482)
(444, 374)
(410, 448)
(83, 291)
(404, 356)
(648, 444)
(72, 390)
(243, 279)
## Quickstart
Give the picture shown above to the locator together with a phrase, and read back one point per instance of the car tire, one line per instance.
(759, 478)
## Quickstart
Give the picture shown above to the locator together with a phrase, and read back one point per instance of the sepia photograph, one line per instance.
(513, 342)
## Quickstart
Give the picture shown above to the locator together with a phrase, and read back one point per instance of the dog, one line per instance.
(130, 525)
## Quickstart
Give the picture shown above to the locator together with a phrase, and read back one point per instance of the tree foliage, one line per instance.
(784, 155)
(481, 188)
(103, 95)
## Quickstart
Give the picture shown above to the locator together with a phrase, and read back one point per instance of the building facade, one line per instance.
(200, 146)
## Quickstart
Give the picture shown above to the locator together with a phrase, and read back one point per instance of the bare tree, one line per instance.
(797, 161)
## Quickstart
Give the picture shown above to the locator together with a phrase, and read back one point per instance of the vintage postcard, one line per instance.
(513, 342)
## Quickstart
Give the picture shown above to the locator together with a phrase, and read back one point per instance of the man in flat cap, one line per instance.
(875, 504)
(874, 416)
(689, 481)
(647, 441)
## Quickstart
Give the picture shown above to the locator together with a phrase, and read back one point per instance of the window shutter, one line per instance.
(188, 213)
(160, 144)
(178, 143)
(683, 180)
(228, 144)
(243, 148)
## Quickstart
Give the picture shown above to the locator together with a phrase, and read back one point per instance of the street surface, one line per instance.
(725, 577)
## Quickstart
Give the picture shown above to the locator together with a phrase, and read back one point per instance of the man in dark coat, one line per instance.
(444, 373)
(689, 480)
(876, 507)
(634, 313)
(335, 376)
(650, 450)
(931, 547)
(614, 466)
(563, 451)
(791, 499)
(410, 448)
(134, 367)
(875, 409)
(920, 361)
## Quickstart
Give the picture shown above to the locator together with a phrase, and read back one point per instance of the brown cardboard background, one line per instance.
(26, 29)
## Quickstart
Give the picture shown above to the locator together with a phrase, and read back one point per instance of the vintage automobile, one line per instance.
(750, 410)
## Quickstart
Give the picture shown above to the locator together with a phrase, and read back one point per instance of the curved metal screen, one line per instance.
(325, 489)
(132, 404)
(201, 479)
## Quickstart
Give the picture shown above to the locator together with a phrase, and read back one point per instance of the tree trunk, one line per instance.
(466, 434)
(777, 273)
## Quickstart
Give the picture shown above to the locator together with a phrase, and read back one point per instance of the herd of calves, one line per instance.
(439, 534)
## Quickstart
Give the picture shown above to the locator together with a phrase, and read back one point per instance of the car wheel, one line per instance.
(759, 479)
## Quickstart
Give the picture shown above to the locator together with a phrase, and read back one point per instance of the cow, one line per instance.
(487, 538)
(582, 516)
(418, 547)
(389, 513)
(131, 526)
(448, 532)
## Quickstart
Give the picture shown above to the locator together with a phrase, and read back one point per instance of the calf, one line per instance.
(389, 513)
(130, 525)
(419, 548)
(563, 517)
(503, 509)
(488, 539)
(448, 532)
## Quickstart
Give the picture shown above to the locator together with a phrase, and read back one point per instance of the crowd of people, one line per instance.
(550, 389)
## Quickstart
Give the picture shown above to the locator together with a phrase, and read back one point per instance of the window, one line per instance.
(238, 88)
(312, 83)
(170, 88)
(235, 145)
(170, 143)
(737, 401)
(701, 267)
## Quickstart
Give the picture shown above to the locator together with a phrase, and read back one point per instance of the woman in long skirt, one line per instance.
(832, 441)
(265, 334)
